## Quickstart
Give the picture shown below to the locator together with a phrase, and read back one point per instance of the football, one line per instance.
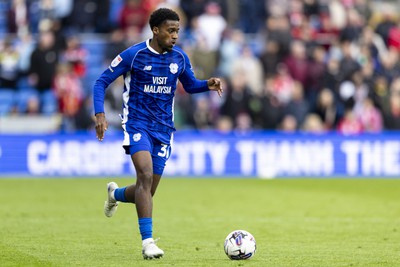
(240, 245)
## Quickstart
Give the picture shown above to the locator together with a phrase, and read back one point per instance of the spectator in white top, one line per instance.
(211, 25)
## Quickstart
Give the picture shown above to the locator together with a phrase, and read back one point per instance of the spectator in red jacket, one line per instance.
(133, 14)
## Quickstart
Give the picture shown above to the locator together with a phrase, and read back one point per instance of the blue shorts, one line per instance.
(157, 143)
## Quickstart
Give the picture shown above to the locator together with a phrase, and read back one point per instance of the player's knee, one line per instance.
(144, 179)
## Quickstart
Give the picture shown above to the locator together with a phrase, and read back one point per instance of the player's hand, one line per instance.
(214, 84)
(101, 125)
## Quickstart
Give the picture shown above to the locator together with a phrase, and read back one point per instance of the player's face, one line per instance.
(167, 34)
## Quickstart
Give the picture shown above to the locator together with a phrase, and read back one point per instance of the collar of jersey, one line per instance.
(151, 48)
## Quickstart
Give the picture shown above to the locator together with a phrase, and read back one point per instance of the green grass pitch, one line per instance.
(296, 222)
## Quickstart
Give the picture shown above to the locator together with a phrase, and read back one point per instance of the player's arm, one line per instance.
(193, 85)
(119, 66)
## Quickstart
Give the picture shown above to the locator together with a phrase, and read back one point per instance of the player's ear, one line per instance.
(156, 30)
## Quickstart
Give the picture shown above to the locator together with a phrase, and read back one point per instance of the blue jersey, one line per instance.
(150, 84)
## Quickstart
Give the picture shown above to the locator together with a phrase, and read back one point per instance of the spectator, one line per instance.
(193, 9)
(298, 106)
(248, 64)
(224, 124)
(368, 75)
(392, 109)
(211, 25)
(369, 116)
(115, 45)
(270, 113)
(278, 31)
(307, 34)
(252, 15)
(32, 106)
(361, 91)
(230, 49)
(288, 124)
(83, 16)
(270, 58)
(313, 124)
(75, 55)
(374, 43)
(202, 115)
(296, 14)
(204, 60)
(69, 93)
(63, 10)
(350, 124)
(392, 117)
(331, 76)
(311, 8)
(316, 70)
(44, 60)
(329, 110)
(363, 8)
(54, 26)
(337, 14)
(380, 93)
(47, 10)
(354, 91)
(9, 59)
(281, 85)
(351, 32)
(297, 62)
(25, 47)
(132, 35)
(133, 14)
(103, 8)
(84, 119)
(348, 65)
(17, 17)
(243, 123)
(327, 34)
(384, 26)
(238, 97)
(390, 65)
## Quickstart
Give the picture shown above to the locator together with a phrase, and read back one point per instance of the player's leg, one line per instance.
(130, 189)
(160, 152)
(111, 204)
(141, 142)
(159, 156)
(144, 173)
(144, 203)
(124, 194)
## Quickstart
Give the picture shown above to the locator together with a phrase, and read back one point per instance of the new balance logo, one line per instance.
(147, 67)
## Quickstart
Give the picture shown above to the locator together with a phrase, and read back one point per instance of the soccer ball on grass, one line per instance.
(240, 245)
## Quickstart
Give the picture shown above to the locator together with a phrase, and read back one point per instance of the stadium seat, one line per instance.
(23, 83)
(4, 7)
(95, 47)
(49, 103)
(115, 10)
(7, 100)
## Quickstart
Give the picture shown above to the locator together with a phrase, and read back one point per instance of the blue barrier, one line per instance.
(256, 154)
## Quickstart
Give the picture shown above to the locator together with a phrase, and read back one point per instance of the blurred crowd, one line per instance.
(288, 65)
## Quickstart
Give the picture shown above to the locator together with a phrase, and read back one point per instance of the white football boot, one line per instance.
(150, 249)
(110, 205)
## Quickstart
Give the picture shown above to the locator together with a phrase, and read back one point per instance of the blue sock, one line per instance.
(146, 227)
(119, 194)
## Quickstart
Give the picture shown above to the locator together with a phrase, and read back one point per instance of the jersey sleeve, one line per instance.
(119, 66)
(189, 81)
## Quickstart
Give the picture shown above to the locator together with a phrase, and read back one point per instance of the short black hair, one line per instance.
(160, 15)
